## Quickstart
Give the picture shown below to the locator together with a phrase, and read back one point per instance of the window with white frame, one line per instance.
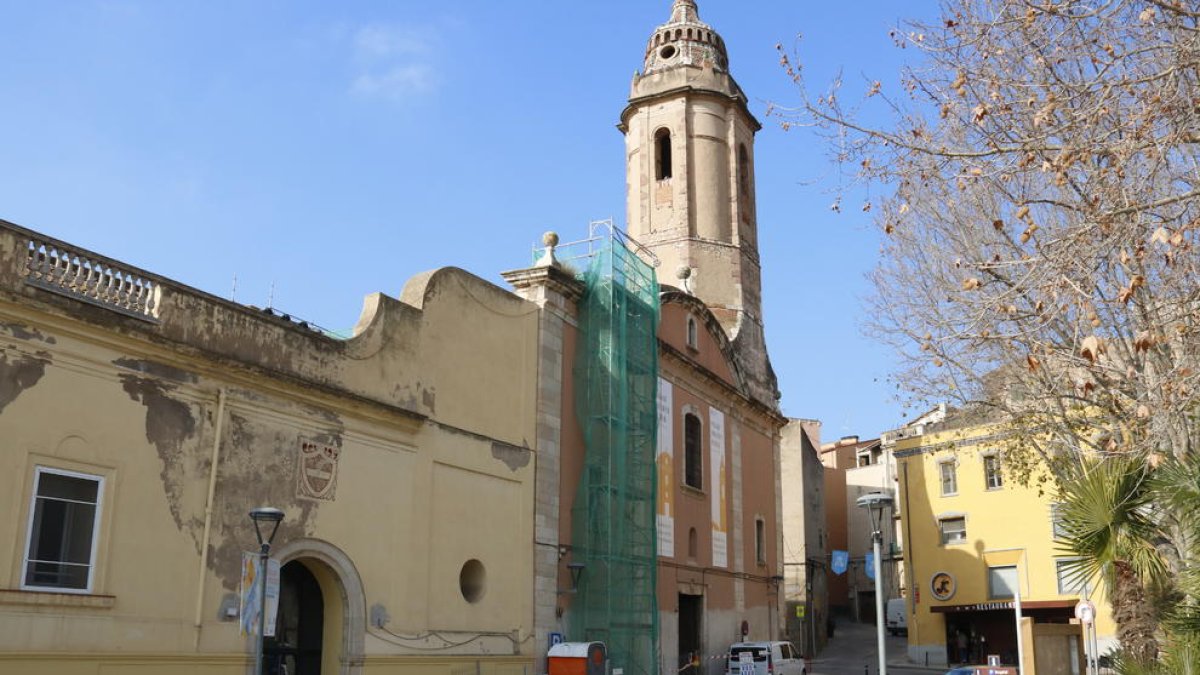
(991, 472)
(1056, 521)
(60, 551)
(1069, 580)
(953, 530)
(1002, 582)
(948, 474)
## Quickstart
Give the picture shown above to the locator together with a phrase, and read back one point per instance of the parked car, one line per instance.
(767, 658)
(897, 617)
(982, 670)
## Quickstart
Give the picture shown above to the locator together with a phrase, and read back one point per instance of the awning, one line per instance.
(1003, 605)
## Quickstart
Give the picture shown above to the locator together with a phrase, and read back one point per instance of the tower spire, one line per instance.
(685, 11)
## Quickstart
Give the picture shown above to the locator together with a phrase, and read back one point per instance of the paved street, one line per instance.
(853, 647)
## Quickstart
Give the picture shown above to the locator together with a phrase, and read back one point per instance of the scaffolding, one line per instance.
(616, 371)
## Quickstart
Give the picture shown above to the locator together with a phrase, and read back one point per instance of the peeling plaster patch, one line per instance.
(513, 457)
(19, 374)
(157, 370)
(21, 332)
(429, 398)
(168, 424)
(258, 468)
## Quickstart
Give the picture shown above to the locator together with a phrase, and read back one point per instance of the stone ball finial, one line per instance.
(683, 272)
(550, 238)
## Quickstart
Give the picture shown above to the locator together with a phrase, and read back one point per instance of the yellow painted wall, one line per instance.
(431, 406)
(1005, 525)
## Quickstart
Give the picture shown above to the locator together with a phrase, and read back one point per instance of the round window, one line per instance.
(472, 581)
(667, 52)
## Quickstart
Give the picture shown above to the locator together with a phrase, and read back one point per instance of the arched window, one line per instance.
(693, 546)
(662, 154)
(693, 340)
(693, 452)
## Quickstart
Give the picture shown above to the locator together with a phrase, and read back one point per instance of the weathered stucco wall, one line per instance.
(426, 424)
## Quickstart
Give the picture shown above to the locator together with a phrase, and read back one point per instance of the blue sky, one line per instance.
(336, 149)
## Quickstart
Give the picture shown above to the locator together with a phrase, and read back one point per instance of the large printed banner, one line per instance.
(720, 510)
(665, 460)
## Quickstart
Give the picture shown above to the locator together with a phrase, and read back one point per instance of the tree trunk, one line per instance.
(1134, 615)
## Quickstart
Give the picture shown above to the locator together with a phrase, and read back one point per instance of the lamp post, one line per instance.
(261, 516)
(875, 503)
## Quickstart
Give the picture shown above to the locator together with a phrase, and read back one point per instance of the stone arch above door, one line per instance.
(353, 600)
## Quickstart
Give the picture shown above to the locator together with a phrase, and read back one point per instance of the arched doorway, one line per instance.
(299, 626)
(344, 623)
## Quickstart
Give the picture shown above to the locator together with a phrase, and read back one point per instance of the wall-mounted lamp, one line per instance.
(576, 570)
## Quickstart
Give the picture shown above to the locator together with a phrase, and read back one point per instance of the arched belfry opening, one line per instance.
(662, 154)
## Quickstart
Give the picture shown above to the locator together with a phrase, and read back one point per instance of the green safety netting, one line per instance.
(616, 371)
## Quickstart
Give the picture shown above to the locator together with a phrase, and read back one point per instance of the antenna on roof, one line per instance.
(271, 296)
(233, 291)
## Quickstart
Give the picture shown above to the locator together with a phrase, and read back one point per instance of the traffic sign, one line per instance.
(1085, 611)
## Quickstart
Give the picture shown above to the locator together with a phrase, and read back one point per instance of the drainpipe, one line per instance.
(208, 512)
(910, 565)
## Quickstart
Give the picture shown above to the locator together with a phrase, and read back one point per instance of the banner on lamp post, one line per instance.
(250, 591)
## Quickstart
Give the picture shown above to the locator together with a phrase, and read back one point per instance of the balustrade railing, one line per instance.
(92, 278)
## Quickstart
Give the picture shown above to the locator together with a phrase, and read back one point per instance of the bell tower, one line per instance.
(689, 158)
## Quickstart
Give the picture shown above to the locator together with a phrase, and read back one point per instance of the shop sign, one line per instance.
(981, 607)
(943, 586)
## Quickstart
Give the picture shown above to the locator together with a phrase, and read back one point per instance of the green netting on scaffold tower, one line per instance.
(616, 371)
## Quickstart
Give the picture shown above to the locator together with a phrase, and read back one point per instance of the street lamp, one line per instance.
(875, 503)
(264, 515)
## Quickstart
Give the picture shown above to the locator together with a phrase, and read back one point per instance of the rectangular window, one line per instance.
(991, 472)
(1068, 582)
(60, 552)
(1002, 582)
(949, 477)
(760, 541)
(954, 530)
(1056, 524)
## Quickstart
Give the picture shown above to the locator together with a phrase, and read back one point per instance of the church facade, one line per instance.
(718, 573)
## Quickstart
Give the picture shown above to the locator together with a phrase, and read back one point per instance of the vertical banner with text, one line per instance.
(665, 462)
(720, 517)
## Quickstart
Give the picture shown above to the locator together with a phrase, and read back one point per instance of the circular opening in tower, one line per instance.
(472, 581)
(667, 52)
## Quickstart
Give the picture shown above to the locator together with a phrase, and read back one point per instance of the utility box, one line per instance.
(578, 658)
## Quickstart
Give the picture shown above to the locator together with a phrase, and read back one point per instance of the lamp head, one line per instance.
(875, 503)
(576, 570)
(264, 516)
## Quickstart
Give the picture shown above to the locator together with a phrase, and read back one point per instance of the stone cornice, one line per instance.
(738, 100)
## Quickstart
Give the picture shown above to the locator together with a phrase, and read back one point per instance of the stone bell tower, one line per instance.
(689, 152)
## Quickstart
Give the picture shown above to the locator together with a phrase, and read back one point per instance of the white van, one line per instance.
(764, 658)
(897, 616)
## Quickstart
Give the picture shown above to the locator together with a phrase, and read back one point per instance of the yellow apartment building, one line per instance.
(973, 538)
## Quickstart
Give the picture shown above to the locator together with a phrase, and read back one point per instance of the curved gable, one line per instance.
(712, 350)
